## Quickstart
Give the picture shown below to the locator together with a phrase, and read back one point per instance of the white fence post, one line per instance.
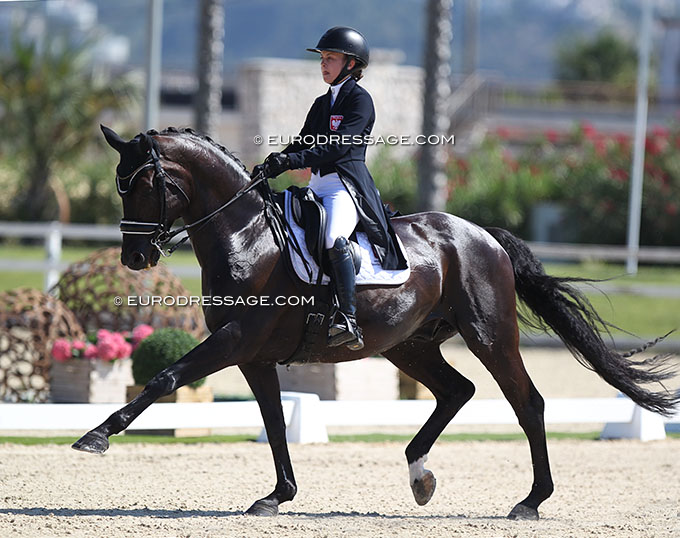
(306, 423)
(52, 254)
(644, 426)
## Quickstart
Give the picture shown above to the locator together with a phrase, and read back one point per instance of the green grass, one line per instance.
(642, 316)
(360, 438)
(455, 437)
(662, 275)
(127, 439)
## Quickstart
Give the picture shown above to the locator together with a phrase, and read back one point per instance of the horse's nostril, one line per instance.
(138, 258)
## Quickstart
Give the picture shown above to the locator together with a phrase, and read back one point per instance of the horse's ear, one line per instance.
(115, 141)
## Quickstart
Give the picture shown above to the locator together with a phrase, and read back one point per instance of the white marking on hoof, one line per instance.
(423, 482)
(416, 470)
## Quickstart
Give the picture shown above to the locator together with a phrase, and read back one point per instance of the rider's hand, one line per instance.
(276, 163)
(257, 170)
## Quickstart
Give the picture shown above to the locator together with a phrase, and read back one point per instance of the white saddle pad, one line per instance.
(371, 271)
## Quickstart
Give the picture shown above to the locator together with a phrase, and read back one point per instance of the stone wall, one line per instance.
(274, 96)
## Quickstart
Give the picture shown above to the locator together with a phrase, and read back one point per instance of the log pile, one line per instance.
(30, 321)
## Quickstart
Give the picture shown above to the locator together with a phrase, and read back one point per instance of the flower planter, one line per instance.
(181, 395)
(90, 381)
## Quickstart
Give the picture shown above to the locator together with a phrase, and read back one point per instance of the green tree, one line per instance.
(603, 58)
(50, 101)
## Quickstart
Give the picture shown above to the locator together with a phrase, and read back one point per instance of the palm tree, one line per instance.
(50, 101)
(208, 103)
(432, 179)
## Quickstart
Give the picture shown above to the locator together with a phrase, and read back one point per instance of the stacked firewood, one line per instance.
(30, 321)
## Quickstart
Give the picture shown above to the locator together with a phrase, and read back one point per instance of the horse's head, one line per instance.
(154, 192)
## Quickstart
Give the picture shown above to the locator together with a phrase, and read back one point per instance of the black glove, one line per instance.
(276, 163)
(259, 169)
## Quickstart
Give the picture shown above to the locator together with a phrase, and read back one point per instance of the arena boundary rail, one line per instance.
(53, 234)
(307, 417)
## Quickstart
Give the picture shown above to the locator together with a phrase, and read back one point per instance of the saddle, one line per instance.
(310, 215)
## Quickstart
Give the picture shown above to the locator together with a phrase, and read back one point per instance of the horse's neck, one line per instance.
(232, 247)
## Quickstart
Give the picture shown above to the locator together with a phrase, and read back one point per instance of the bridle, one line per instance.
(160, 232)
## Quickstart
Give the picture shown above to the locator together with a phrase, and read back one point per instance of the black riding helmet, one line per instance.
(346, 41)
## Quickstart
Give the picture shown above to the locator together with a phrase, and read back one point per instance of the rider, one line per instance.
(339, 174)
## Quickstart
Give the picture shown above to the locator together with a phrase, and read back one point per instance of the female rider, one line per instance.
(339, 174)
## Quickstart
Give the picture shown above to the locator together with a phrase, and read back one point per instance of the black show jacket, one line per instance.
(351, 119)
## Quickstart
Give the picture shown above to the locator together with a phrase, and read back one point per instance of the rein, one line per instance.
(161, 235)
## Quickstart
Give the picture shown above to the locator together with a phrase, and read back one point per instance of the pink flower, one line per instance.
(125, 350)
(61, 350)
(78, 344)
(107, 346)
(91, 351)
(140, 332)
(103, 334)
(112, 346)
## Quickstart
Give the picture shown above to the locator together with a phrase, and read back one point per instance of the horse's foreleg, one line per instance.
(215, 353)
(264, 382)
(424, 363)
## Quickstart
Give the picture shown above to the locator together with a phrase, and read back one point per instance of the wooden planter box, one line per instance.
(90, 381)
(181, 395)
(365, 379)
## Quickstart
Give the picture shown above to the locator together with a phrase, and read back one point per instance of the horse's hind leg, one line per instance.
(423, 361)
(488, 324)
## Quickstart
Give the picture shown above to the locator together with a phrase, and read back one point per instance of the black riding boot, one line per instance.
(343, 328)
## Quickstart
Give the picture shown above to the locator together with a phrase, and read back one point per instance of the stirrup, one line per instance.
(345, 332)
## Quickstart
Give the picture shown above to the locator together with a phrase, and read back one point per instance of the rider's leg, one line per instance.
(342, 219)
(343, 328)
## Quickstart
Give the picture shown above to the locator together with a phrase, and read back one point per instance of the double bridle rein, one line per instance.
(160, 232)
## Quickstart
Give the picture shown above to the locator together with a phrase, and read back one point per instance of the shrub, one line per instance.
(160, 350)
(397, 181)
(493, 188)
(594, 171)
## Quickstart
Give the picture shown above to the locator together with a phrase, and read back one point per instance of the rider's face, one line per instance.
(331, 65)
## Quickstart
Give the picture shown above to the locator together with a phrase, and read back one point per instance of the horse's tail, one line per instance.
(555, 304)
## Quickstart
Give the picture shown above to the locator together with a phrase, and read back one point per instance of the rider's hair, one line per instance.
(356, 75)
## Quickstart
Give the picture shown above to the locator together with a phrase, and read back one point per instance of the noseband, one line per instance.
(160, 232)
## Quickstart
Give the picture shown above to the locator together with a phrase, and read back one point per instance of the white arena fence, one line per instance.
(307, 417)
(54, 233)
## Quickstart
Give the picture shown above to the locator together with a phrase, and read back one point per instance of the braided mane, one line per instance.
(188, 131)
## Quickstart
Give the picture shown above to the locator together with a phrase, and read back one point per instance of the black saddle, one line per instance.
(310, 214)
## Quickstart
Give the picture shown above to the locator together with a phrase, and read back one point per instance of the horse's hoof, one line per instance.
(92, 442)
(263, 507)
(524, 513)
(423, 488)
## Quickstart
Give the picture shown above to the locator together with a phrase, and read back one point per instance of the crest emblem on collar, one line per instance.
(335, 121)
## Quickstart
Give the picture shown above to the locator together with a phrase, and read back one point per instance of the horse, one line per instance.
(464, 281)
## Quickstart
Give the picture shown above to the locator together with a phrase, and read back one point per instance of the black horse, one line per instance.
(463, 281)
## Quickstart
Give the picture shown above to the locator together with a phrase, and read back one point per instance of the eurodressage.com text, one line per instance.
(357, 139)
(213, 300)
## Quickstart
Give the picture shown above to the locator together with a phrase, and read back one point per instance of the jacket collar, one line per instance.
(347, 87)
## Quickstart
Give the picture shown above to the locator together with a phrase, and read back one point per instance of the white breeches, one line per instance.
(341, 212)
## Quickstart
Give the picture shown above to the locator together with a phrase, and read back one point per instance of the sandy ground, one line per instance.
(603, 488)
(618, 488)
